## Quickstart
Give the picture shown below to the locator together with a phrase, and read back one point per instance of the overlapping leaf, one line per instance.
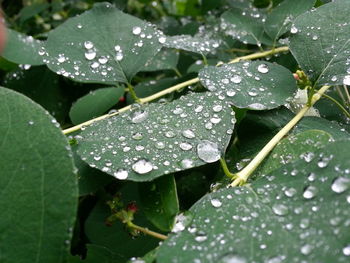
(38, 185)
(102, 45)
(22, 49)
(254, 85)
(160, 138)
(165, 59)
(304, 203)
(321, 44)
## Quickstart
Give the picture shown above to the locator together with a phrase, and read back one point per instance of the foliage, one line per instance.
(220, 128)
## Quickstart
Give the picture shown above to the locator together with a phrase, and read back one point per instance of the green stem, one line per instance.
(242, 176)
(133, 93)
(347, 94)
(178, 73)
(175, 88)
(225, 168)
(338, 104)
(147, 231)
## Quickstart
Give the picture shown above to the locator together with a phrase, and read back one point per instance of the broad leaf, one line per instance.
(193, 44)
(246, 25)
(153, 140)
(95, 104)
(304, 203)
(37, 181)
(165, 59)
(280, 19)
(95, 254)
(102, 45)
(32, 10)
(320, 43)
(22, 49)
(159, 201)
(254, 85)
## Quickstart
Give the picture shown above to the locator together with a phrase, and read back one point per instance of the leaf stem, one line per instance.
(225, 168)
(175, 88)
(338, 104)
(133, 93)
(147, 231)
(242, 176)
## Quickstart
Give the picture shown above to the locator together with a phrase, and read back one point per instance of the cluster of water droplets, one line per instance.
(170, 137)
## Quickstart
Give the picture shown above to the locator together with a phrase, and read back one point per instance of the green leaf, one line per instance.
(246, 25)
(294, 147)
(95, 104)
(254, 85)
(41, 85)
(160, 202)
(116, 238)
(157, 139)
(280, 19)
(95, 254)
(303, 203)
(38, 184)
(193, 44)
(32, 10)
(22, 49)
(165, 59)
(103, 45)
(320, 43)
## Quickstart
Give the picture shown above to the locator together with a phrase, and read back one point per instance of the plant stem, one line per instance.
(242, 176)
(225, 168)
(178, 73)
(338, 104)
(347, 94)
(147, 231)
(175, 88)
(133, 93)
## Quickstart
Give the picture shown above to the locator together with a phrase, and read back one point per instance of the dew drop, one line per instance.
(293, 29)
(88, 45)
(208, 151)
(142, 166)
(263, 68)
(310, 192)
(94, 65)
(30, 122)
(162, 39)
(280, 209)
(230, 93)
(188, 134)
(346, 80)
(117, 48)
(216, 203)
(61, 58)
(186, 163)
(314, 37)
(185, 146)
(306, 249)
(201, 237)
(160, 145)
(121, 174)
(119, 56)
(139, 116)
(236, 79)
(136, 30)
(90, 55)
(346, 250)
(340, 185)
(231, 258)
(103, 60)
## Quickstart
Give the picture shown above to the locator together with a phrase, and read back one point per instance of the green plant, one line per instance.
(222, 131)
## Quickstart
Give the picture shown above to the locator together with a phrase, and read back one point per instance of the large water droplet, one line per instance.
(306, 249)
(185, 146)
(201, 237)
(162, 39)
(293, 29)
(136, 30)
(280, 209)
(90, 55)
(208, 151)
(263, 68)
(346, 80)
(346, 250)
(236, 79)
(340, 184)
(216, 203)
(142, 166)
(188, 134)
(139, 116)
(186, 163)
(310, 192)
(88, 45)
(121, 174)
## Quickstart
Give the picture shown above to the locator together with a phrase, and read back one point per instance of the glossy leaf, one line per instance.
(246, 25)
(320, 43)
(103, 45)
(193, 44)
(38, 184)
(303, 203)
(254, 85)
(95, 104)
(22, 49)
(157, 139)
(165, 59)
(95, 254)
(280, 19)
(160, 203)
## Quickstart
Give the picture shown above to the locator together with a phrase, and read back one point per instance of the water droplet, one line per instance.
(170, 134)
(310, 192)
(293, 29)
(137, 136)
(94, 65)
(188, 134)
(340, 185)
(230, 93)
(236, 79)
(323, 162)
(119, 56)
(117, 48)
(136, 30)
(121, 174)
(208, 151)
(160, 145)
(103, 60)
(306, 249)
(217, 108)
(61, 58)
(90, 55)
(181, 221)
(200, 237)
(139, 116)
(280, 209)
(231, 258)
(346, 250)
(142, 166)
(30, 122)
(162, 39)
(314, 37)
(185, 146)
(88, 45)
(263, 68)
(290, 192)
(216, 203)
(346, 80)
(186, 163)
(97, 158)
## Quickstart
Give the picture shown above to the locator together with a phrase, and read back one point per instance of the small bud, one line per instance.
(132, 207)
